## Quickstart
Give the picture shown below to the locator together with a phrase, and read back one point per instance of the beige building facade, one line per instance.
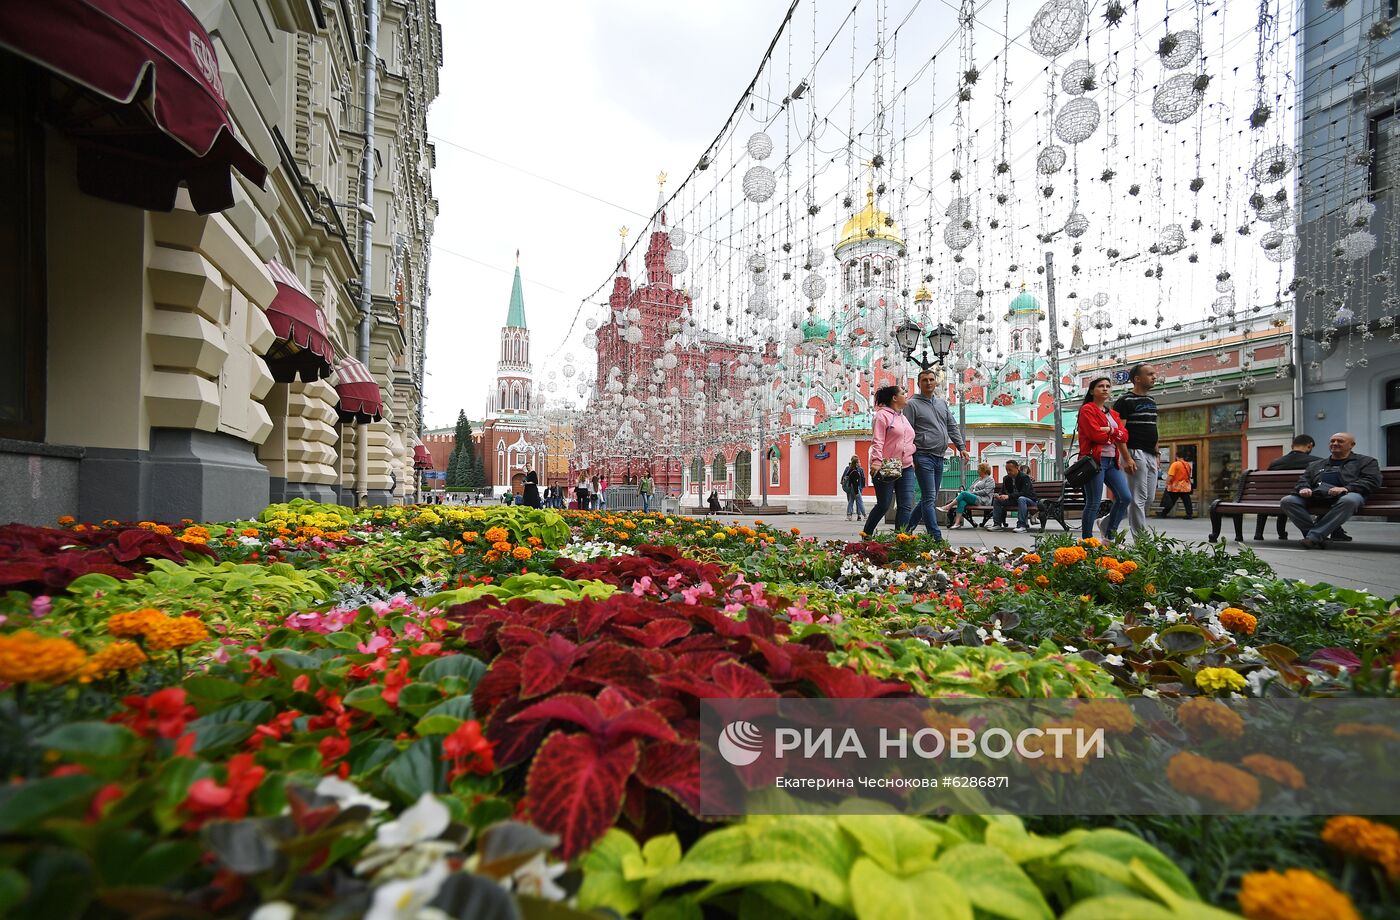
(146, 389)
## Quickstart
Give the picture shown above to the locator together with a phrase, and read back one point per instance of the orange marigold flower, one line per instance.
(536, 542)
(177, 632)
(796, 532)
(1115, 576)
(522, 553)
(1364, 839)
(471, 536)
(134, 623)
(1236, 620)
(1127, 566)
(1201, 716)
(1109, 715)
(1069, 555)
(501, 546)
(1280, 771)
(1059, 753)
(1149, 589)
(1032, 558)
(28, 658)
(1366, 730)
(66, 519)
(1204, 778)
(1042, 581)
(114, 657)
(1092, 541)
(250, 531)
(492, 556)
(497, 535)
(1295, 894)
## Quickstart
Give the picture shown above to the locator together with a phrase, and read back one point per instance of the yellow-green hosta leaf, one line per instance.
(603, 883)
(898, 844)
(994, 883)
(928, 895)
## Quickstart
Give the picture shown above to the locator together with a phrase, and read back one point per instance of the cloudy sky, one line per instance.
(555, 118)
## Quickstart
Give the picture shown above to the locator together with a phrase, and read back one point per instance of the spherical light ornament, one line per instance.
(758, 300)
(568, 370)
(1359, 213)
(959, 209)
(1356, 245)
(967, 277)
(1176, 99)
(634, 335)
(1223, 304)
(1172, 240)
(759, 184)
(1279, 247)
(1076, 77)
(1077, 225)
(1345, 317)
(634, 315)
(1274, 164)
(590, 323)
(677, 261)
(1101, 299)
(1187, 45)
(758, 262)
(816, 257)
(1056, 27)
(1050, 160)
(590, 341)
(956, 237)
(760, 146)
(1286, 220)
(813, 287)
(1078, 119)
(965, 305)
(677, 237)
(1224, 286)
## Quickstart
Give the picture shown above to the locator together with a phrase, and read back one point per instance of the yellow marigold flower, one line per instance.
(135, 623)
(65, 519)
(1149, 589)
(116, 656)
(1207, 717)
(1236, 620)
(522, 553)
(1213, 680)
(1084, 598)
(1366, 730)
(501, 546)
(1295, 894)
(1204, 778)
(1111, 716)
(719, 536)
(470, 536)
(1364, 839)
(497, 535)
(1115, 576)
(1032, 558)
(177, 632)
(1280, 771)
(28, 658)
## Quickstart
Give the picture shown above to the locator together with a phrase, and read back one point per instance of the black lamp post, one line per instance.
(940, 339)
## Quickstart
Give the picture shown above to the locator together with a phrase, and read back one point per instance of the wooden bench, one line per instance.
(1052, 500)
(1262, 491)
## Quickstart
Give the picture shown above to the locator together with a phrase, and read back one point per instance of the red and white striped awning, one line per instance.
(361, 401)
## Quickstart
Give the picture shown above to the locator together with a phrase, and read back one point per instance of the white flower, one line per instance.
(425, 820)
(1250, 653)
(274, 910)
(1071, 649)
(1115, 660)
(1241, 572)
(1150, 693)
(1258, 678)
(537, 877)
(981, 632)
(347, 795)
(1172, 616)
(403, 900)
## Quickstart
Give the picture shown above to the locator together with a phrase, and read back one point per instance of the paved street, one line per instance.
(1371, 562)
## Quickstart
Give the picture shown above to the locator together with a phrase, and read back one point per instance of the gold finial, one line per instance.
(661, 178)
(622, 232)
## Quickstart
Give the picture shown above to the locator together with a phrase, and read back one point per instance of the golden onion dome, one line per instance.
(923, 295)
(869, 218)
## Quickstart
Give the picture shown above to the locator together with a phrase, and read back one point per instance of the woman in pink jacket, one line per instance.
(893, 438)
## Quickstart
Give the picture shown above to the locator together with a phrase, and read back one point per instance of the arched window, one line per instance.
(865, 272)
(850, 275)
(889, 273)
(501, 398)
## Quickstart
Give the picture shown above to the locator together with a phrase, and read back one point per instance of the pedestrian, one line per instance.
(1101, 436)
(853, 483)
(645, 488)
(891, 460)
(713, 502)
(581, 492)
(1341, 482)
(1178, 486)
(934, 427)
(593, 492)
(603, 492)
(530, 495)
(1017, 491)
(1138, 410)
(979, 493)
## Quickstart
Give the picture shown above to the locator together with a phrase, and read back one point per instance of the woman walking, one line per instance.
(892, 459)
(854, 481)
(603, 492)
(979, 493)
(530, 496)
(1178, 486)
(593, 493)
(581, 492)
(1101, 434)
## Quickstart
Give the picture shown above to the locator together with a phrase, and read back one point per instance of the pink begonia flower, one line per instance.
(642, 586)
(834, 619)
(40, 606)
(379, 607)
(979, 558)
(413, 631)
(733, 608)
(798, 615)
(702, 590)
(373, 646)
(756, 596)
(674, 581)
(221, 656)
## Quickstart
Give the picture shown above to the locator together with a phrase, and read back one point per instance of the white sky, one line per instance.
(600, 96)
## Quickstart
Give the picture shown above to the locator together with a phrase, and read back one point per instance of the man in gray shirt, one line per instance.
(934, 428)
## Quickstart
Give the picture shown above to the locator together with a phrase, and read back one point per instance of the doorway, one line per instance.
(1191, 452)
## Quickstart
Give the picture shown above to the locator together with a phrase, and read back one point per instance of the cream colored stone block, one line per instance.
(259, 335)
(182, 400)
(215, 238)
(310, 472)
(262, 381)
(185, 340)
(260, 426)
(186, 280)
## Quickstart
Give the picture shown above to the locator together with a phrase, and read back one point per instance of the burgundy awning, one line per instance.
(170, 124)
(422, 458)
(360, 399)
(303, 348)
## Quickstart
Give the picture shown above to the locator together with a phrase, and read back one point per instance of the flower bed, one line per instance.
(327, 713)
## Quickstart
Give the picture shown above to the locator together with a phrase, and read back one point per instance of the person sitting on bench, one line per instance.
(1343, 480)
(1300, 458)
(1016, 489)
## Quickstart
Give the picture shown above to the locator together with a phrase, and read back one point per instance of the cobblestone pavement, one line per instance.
(1370, 563)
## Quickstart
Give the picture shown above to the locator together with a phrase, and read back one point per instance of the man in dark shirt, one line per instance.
(1016, 489)
(1139, 413)
(1300, 458)
(1343, 480)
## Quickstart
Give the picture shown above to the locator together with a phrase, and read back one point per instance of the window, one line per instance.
(1392, 394)
(23, 334)
(1385, 141)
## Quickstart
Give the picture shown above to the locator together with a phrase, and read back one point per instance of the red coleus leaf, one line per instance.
(843, 683)
(674, 768)
(610, 717)
(515, 742)
(737, 681)
(575, 788)
(657, 632)
(545, 665)
(500, 683)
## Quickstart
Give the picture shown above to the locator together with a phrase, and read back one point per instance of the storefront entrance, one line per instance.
(1211, 440)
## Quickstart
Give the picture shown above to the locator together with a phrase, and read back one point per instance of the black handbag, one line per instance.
(1082, 472)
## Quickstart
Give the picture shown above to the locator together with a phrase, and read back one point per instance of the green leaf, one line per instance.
(25, 804)
(659, 853)
(164, 863)
(458, 707)
(213, 688)
(344, 640)
(1117, 907)
(929, 894)
(1021, 846)
(418, 770)
(369, 699)
(437, 725)
(91, 739)
(13, 889)
(993, 881)
(254, 712)
(212, 738)
(899, 844)
(674, 909)
(454, 666)
(1182, 639)
(1099, 864)
(418, 698)
(603, 883)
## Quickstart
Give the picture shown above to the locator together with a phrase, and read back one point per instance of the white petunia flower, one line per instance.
(1150, 693)
(1115, 660)
(274, 910)
(537, 877)
(426, 819)
(348, 795)
(404, 900)
(1258, 678)
(1071, 649)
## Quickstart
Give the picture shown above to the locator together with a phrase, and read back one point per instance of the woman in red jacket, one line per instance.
(1101, 436)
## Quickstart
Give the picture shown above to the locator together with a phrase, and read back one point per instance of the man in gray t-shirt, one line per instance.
(934, 429)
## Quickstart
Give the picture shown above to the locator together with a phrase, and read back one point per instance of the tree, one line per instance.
(453, 471)
(463, 472)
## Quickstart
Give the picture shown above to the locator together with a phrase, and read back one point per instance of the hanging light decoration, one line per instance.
(1176, 99)
(1078, 78)
(760, 145)
(1050, 160)
(1078, 119)
(759, 184)
(1057, 27)
(813, 287)
(1179, 49)
(677, 261)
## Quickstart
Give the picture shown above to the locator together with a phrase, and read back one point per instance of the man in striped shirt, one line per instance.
(1139, 413)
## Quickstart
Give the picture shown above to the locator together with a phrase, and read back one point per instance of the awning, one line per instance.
(170, 123)
(360, 399)
(303, 348)
(422, 458)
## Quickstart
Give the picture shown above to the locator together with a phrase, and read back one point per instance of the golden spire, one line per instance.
(661, 179)
(622, 232)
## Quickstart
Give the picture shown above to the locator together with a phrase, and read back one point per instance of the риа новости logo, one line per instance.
(740, 743)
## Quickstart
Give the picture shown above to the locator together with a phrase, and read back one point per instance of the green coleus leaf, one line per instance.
(930, 894)
(994, 883)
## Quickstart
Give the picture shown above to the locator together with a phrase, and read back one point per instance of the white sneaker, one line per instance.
(1021, 528)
